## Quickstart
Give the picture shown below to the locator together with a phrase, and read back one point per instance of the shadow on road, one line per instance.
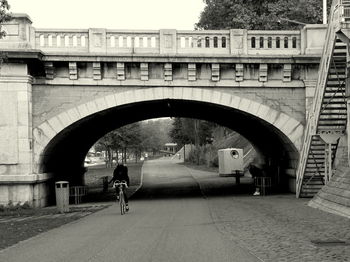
(192, 190)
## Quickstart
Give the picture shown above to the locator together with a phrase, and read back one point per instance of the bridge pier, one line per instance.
(17, 181)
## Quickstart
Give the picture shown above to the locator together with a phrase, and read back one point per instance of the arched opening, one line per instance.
(65, 153)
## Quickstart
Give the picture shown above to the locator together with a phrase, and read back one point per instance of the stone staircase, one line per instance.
(328, 115)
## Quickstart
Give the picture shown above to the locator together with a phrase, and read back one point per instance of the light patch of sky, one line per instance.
(111, 14)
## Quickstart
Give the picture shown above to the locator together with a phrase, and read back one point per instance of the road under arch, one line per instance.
(65, 153)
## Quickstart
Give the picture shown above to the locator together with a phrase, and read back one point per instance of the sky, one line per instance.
(111, 14)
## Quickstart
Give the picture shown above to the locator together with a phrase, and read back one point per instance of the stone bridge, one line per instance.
(63, 89)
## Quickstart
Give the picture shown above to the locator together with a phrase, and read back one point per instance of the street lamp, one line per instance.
(300, 23)
(324, 11)
(291, 21)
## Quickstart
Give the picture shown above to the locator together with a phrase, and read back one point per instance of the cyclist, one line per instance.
(121, 173)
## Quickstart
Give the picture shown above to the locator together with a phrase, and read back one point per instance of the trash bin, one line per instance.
(62, 196)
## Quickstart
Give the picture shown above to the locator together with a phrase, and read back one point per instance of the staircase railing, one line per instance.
(336, 17)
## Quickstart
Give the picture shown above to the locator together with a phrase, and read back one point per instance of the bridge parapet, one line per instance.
(21, 35)
(218, 42)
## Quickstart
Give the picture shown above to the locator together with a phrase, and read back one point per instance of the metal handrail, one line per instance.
(336, 17)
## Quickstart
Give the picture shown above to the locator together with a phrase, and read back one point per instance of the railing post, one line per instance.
(313, 39)
(19, 32)
(238, 41)
(167, 41)
(97, 40)
(303, 37)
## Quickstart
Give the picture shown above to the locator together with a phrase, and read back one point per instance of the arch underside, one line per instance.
(65, 152)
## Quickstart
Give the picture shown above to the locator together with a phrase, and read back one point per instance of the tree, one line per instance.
(154, 134)
(134, 139)
(121, 139)
(259, 14)
(179, 132)
(4, 15)
(191, 131)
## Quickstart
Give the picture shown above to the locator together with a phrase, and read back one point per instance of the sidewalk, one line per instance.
(277, 227)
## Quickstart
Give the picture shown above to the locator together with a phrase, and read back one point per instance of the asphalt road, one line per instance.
(169, 220)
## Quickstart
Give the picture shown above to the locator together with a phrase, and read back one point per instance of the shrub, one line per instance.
(26, 205)
(11, 207)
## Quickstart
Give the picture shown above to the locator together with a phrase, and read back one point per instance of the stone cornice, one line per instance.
(178, 58)
(15, 54)
(16, 79)
(25, 179)
(174, 83)
(161, 58)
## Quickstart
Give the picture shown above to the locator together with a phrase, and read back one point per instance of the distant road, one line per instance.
(169, 220)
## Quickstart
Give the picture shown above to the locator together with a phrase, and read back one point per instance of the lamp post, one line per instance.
(291, 21)
(324, 11)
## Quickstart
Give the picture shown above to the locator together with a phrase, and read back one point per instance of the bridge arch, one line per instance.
(50, 133)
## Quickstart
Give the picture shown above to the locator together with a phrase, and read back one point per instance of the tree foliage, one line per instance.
(134, 138)
(4, 15)
(259, 14)
(155, 133)
(179, 132)
(191, 131)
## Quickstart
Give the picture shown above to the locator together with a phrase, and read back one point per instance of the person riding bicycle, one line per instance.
(120, 173)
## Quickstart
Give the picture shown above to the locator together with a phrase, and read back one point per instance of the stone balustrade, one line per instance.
(21, 35)
(118, 41)
(62, 40)
(214, 42)
(186, 42)
(267, 42)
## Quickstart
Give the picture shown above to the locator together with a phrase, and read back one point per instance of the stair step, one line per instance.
(318, 168)
(313, 181)
(333, 82)
(316, 153)
(315, 149)
(313, 170)
(307, 186)
(314, 157)
(335, 107)
(313, 161)
(312, 190)
(340, 77)
(335, 89)
(332, 117)
(333, 94)
(334, 100)
(335, 124)
(334, 112)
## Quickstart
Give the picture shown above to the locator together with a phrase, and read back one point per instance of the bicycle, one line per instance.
(120, 186)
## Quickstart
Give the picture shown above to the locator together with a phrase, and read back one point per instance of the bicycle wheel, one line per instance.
(122, 203)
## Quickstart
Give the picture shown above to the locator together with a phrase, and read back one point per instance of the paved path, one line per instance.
(182, 214)
(276, 228)
(169, 220)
